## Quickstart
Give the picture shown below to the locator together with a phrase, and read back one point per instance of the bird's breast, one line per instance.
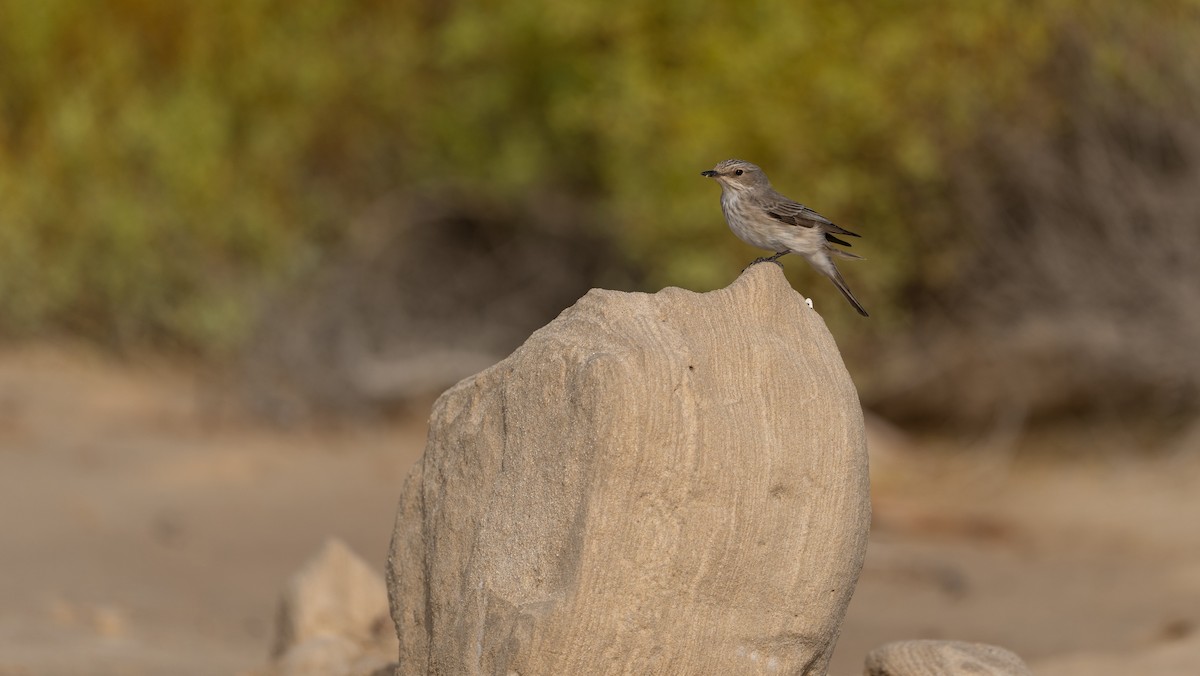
(748, 222)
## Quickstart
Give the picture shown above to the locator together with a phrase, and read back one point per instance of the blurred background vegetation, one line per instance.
(349, 204)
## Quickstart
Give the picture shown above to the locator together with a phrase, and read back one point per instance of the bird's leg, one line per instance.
(770, 259)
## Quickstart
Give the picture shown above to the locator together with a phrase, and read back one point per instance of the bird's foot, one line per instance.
(767, 259)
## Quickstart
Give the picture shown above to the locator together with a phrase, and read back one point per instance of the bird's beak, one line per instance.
(710, 173)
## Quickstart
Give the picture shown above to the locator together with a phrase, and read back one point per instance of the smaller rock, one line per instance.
(328, 655)
(333, 619)
(318, 656)
(943, 658)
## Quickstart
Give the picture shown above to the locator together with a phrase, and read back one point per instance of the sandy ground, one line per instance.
(140, 535)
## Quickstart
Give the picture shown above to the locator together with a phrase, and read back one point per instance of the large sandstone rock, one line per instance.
(672, 483)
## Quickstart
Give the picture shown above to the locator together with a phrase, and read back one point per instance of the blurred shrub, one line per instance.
(1079, 289)
(163, 164)
(167, 168)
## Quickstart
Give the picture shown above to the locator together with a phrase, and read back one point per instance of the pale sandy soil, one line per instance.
(141, 534)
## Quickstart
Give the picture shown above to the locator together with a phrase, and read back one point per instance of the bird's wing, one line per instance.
(785, 210)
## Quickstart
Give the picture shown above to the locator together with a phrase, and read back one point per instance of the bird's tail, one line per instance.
(825, 265)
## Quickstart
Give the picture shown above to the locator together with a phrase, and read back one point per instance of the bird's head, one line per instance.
(738, 175)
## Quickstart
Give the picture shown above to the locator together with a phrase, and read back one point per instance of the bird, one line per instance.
(763, 218)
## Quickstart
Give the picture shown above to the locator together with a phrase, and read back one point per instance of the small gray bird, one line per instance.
(761, 217)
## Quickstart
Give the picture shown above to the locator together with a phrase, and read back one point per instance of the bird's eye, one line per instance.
(739, 172)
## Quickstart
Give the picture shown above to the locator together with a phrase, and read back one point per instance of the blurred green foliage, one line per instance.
(164, 166)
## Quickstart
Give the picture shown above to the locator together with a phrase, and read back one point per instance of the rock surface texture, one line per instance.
(669, 483)
(943, 658)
